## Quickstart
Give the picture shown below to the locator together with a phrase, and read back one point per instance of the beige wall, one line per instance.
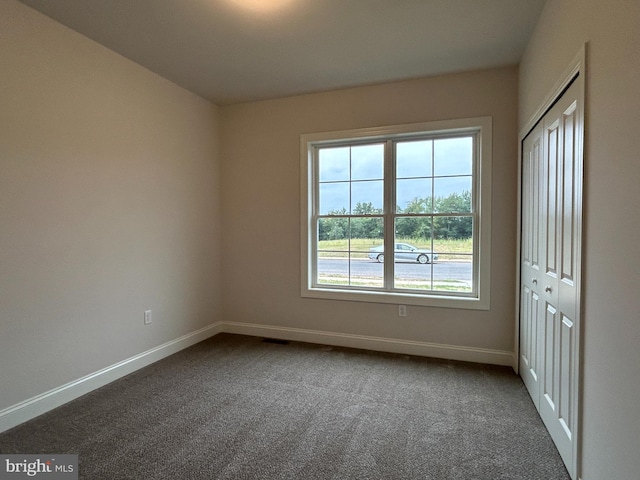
(611, 361)
(109, 188)
(261, 204)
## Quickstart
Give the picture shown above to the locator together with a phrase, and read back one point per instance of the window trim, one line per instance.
(482, 181)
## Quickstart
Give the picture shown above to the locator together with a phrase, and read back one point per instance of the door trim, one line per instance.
(576, 69)
(574, 73)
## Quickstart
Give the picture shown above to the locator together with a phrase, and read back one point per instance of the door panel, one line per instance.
(535, 207)
(550, 162)
(550, 356)
(532, 174)
(525, 315)
(529, 345)
(567, 342)
(568, 219)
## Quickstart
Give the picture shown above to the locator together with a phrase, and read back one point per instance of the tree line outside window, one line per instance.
(440, 221)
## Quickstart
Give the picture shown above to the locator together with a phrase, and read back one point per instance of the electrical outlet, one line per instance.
(147, 317)
(402, 310)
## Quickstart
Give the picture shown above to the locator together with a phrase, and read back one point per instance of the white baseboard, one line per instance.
(407, 347)
(35, 406)
(32, 407)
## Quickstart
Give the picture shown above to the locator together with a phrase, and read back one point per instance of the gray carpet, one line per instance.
(236, 407)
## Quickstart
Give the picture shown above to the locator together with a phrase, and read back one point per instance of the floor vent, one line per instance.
(275, 340)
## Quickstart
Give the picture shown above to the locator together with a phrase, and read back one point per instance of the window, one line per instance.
(398, 214)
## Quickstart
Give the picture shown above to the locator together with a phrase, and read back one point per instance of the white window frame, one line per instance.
(480, 300)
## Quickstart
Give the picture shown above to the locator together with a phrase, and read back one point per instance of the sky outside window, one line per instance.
(438, 167)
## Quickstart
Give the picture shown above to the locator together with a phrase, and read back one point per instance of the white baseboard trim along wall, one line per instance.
(32, 407)
(380, 344)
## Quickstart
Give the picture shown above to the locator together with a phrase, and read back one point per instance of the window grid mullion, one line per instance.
(350, 213)
(389, 214)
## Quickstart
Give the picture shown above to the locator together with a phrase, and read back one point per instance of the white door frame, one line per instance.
(575, 72)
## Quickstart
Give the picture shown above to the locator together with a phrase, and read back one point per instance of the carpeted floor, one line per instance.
(236, 407)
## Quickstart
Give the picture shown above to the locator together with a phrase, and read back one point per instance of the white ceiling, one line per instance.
(230, 53)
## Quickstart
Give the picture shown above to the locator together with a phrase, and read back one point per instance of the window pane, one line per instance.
(414, 230)
(366, 243)
(452, 194)
(453, 227)
(413, 159)
(366, 274)
(453, 156)
(343, 253)
(451, 274)
(332, 229)
(454, 271)
(333, 251)
(414, 196)
(367, 229)
(334, 198)
(413, 255)
(333, 164)
(333, 270)
(367, 197)
(367, 162)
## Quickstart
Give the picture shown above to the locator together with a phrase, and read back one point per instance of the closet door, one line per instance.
(550, 266)
(531, 253)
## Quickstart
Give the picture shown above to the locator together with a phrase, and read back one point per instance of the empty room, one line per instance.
(292, 239)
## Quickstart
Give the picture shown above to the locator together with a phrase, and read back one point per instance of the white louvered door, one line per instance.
(550, 268)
